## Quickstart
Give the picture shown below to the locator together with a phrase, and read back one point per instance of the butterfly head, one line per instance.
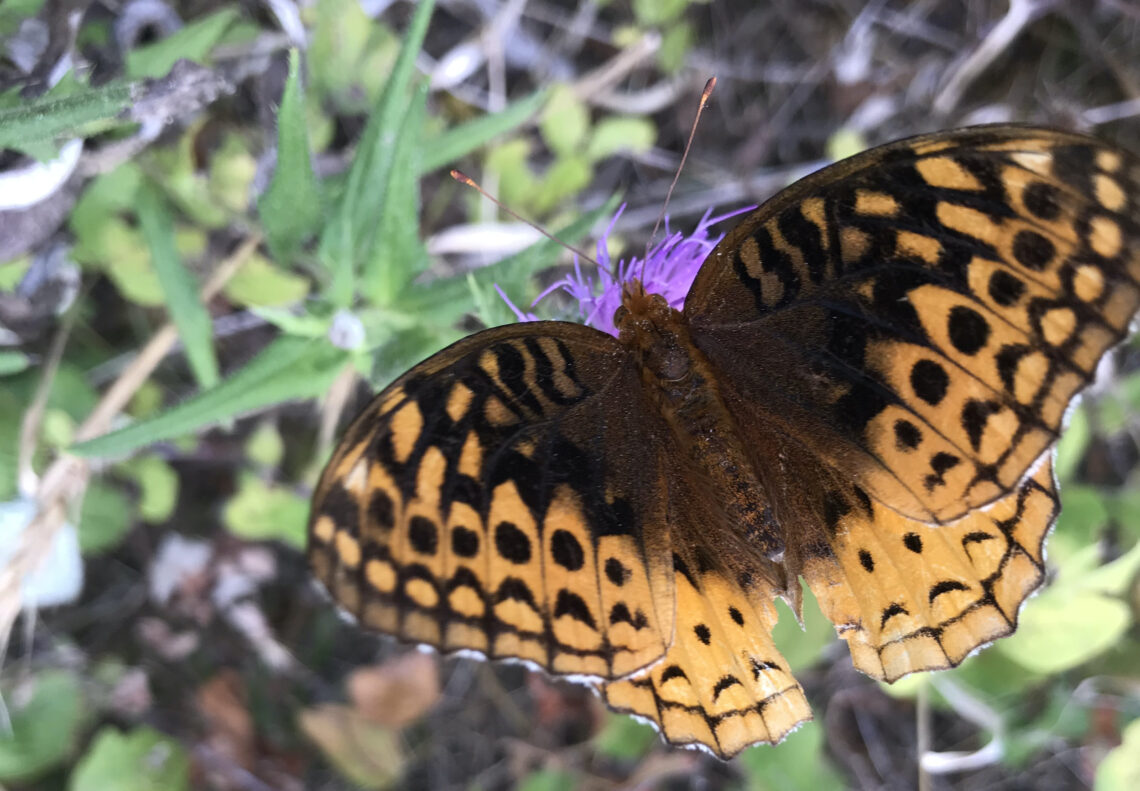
(653, 330)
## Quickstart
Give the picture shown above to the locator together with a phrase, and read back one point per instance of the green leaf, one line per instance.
(350, 234)
(180, 289)
(44, 729)
(1076, 618)
(1073, 443)
(549, 780)
(260, 284)
(52, 118)
(104, 518)
(192, 42)
(261, 512)
(140, 760)
(797, 763)
(12, 362)
(565, 122)
(616, 135)
(158, 487)
(802, 646)
(1120, 769)
(460, 140)
(291, 207)
(657, 12)
(397, 253)
(350, 56)
(289, 368)
(624, 738)
(567, 176)
(265, 446)
(676, 44)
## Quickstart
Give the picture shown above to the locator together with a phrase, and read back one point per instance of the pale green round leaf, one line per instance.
(44, 726)
(140, 760)
(1120, 769)
(1062, 628)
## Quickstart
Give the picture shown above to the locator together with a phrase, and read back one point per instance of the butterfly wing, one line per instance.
(503, 497)
(723, 685)
(910, 596)
(921, 315)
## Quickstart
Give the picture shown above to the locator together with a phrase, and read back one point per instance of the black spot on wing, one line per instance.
(890, 612)
(946, 586)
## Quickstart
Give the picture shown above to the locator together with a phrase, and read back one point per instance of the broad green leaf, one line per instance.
(462, 139)
(1061, 629)
(104, 518)
(397, 254)
(260, 284)
(180, 289)
(621, 135)
(797, 763)
(567, 176)
(350, 234)
(264, 512)
(12, 362)
(1120, 769)
(657, 12)
(192, 42)
(510, 162)
(44, 728)
(52, 118)
(624, 738)
(139, 760)
(676, 44)
(565, 122)
(289, 368)
(158, 487)
(291, 207)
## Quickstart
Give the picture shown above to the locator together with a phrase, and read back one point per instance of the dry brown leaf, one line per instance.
(397, 692)
(369, 755)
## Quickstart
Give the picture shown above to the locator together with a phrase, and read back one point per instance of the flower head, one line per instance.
(668, 269)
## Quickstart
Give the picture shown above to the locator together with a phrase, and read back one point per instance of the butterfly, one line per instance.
(862, 390)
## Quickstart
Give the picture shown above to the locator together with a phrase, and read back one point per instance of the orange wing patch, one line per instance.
(909, 596)
(722, 685)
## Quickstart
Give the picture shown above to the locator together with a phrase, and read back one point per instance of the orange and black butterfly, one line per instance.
(862, 389)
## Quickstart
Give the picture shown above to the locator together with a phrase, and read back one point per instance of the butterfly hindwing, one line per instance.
(921, 315)
(909, 596)
(478, 504)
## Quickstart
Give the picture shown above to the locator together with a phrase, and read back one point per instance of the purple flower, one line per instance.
(668, 269)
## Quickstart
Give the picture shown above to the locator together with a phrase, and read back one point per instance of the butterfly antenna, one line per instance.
(705, 94)
(463, 179)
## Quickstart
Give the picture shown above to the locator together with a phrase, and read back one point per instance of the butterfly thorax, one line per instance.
(681, 382)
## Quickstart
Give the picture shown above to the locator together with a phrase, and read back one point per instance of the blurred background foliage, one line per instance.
(297, 153)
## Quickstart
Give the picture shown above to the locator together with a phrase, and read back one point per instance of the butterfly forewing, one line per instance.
(480, 503)
(920, 316)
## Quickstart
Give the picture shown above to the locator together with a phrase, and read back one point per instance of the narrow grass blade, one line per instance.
(397, 253)
(289, 368)
(458, 141)
(179, 288)
(350, 235)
